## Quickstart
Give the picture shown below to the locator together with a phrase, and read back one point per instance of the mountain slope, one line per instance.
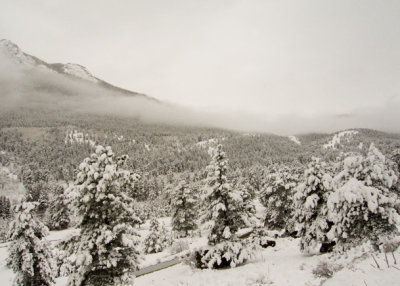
(25, 61)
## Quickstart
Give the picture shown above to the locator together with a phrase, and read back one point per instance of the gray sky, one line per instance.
(271, 59)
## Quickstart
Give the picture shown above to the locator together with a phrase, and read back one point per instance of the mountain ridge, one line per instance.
(71, 70)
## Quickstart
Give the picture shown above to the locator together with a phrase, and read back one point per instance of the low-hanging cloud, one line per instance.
(47, 89)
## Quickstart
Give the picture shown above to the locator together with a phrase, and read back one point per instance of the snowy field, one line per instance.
(279, 265)
(282, 265)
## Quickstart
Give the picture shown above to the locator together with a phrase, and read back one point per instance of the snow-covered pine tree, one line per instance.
(58, 213)
(277, 197)
(155, 241)
(224, 205)
(310, 202)
(166, 235)
(363, 206)
(141, 213)
(246, 208)
(105, 250)
(184, 209)
(224, 209)
(30, 255)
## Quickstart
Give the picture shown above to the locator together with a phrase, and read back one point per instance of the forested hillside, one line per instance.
(46, 146)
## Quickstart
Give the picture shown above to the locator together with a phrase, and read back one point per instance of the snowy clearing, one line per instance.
(294, 139)
(336, 140)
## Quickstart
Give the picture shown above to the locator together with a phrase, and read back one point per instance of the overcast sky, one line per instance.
(267, 58)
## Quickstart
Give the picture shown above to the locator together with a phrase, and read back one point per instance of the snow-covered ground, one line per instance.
(282, 265)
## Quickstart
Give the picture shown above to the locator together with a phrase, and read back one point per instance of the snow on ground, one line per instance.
(294, 139)
(62, 234)
(348, 134)
(6, 274)
(282, 265)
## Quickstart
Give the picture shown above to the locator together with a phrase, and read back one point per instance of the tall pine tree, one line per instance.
(311, 205)
(227, 211)
(224, 204)
(58, 214)
(184, 209)
(105, 251)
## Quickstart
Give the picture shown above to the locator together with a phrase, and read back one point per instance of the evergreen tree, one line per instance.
(246, 207)
(225, 207)
(363, 205)
(59, 212)
(105, 251)
(141, 213)
(184, 209)
(277, 197)
(221, 201)
(30, 255)
(5, 207)
(156, 240)
(311, 205)
(226, 211)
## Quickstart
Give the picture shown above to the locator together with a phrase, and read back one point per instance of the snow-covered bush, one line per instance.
(311, 205)
(325, 269)
(105, 250)
(157, 239)
(224, 254)
(30, 255)
(184, 209)
(277, 197)
(363, 206)
(259, 279)
(261, 238)
(390, 245)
